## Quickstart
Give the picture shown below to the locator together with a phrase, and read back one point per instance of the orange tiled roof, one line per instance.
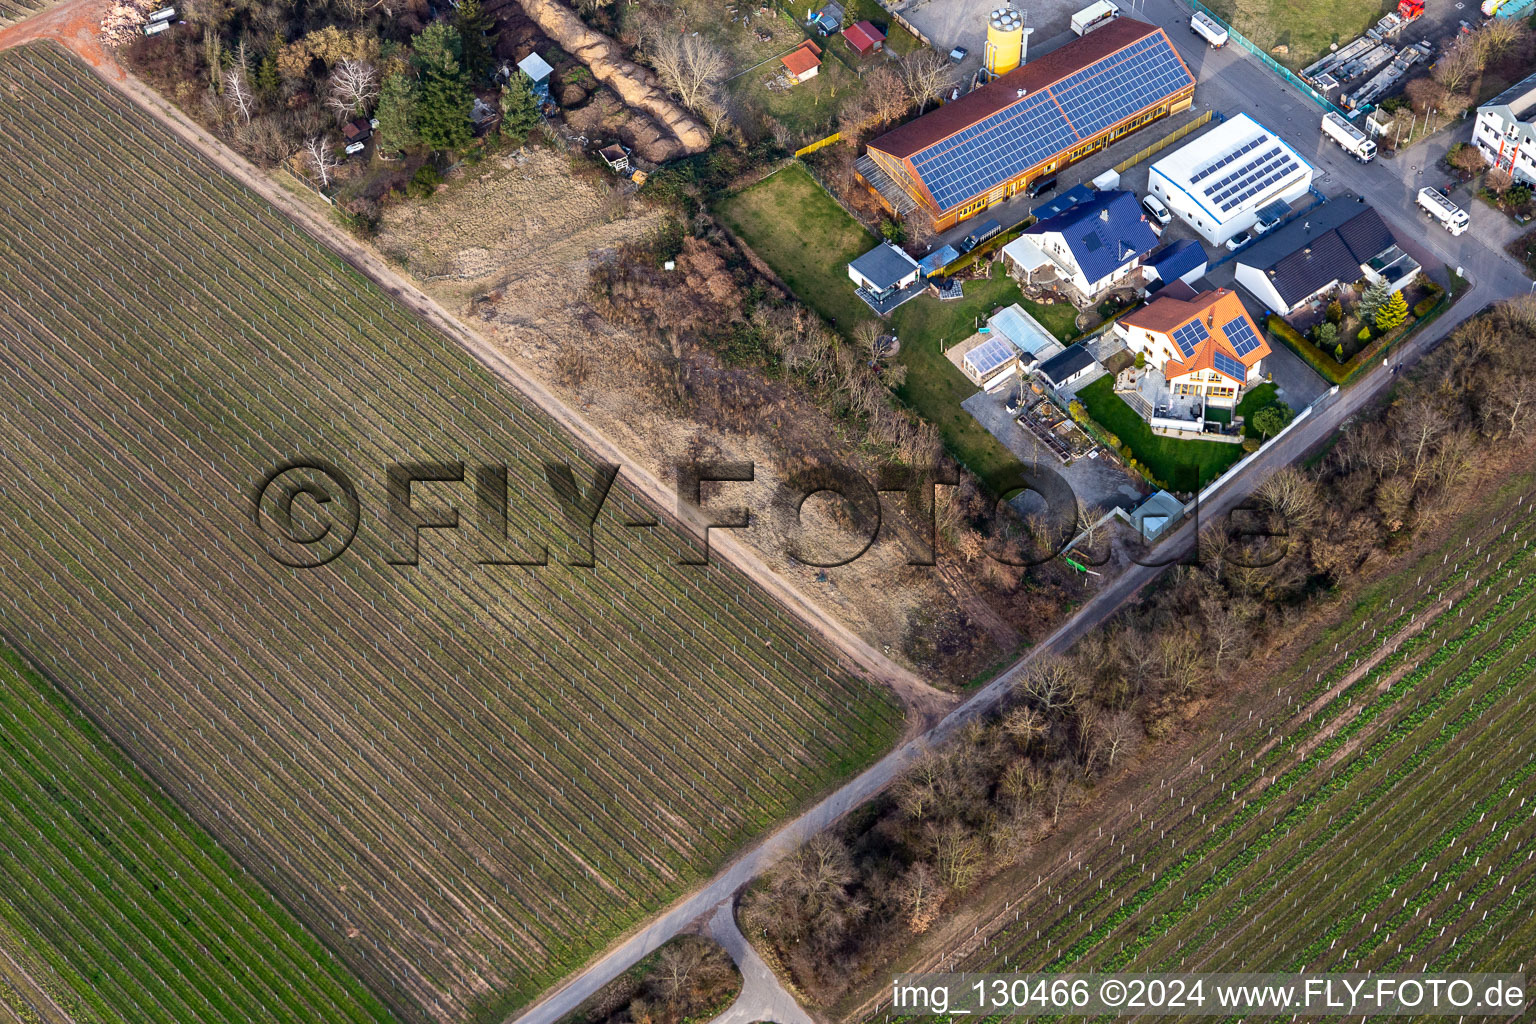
(802, 60)
(1216, 308)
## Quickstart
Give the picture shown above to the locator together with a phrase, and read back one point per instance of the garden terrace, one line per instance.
(464, 778)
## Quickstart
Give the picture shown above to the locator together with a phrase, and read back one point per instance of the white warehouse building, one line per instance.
(1505, 132)
(1218, 183)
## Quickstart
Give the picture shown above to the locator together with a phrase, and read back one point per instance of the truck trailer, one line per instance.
(1350, 139)
(1207, 28)
(1451, 217)
(1095, 15)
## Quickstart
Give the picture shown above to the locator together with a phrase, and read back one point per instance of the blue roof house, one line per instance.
(1094, 246)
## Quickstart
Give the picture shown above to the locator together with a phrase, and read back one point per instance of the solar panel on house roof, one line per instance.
(1240, 333)
(989, 355)
(1229, 366)
(1050, 121)
(1190, 335)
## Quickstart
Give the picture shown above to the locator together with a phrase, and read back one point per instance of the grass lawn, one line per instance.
(1256, 399)
(808, 240)
(1305, 27)
(1181, 465)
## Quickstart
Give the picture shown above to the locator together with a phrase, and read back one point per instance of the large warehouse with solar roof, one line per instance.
(1031, 122)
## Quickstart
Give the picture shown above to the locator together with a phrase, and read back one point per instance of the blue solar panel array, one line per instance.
(1224, 161)
(1229, 366)
(1190, 335)
(1252, 178)
(1240, 333)
(1117, 87)
(1043, 124)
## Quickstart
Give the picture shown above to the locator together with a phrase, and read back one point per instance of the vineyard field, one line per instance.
(465, 778)
(1384, 820)
(107, 879)
(12, 11)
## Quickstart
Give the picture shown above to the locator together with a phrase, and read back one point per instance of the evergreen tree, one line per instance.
(1371, 302)
(397, 112)
(519, 107)
(1392, 312)
(444, 99)
(267, 80)
(472, 24)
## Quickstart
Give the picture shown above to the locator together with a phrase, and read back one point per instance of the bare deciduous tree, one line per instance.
(238, 92)
(689, 65)
(318, 148)
(927, 75)
(920, 894)
(1292, 495)
(1120, 733)
(1459, 64)
(354, 85)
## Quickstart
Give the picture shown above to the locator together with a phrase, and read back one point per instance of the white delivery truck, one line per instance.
(1094, 16)
(154, 28)
(163, 14)
(1452, 217)
(1207, 28)
(1351, 139)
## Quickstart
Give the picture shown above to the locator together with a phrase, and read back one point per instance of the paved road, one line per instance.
(1232, 81)
(762, 996)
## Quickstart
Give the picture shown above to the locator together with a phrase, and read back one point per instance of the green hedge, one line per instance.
(1330, 368)
(1332, 371)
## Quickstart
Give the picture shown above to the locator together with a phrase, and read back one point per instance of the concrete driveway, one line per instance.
(1100, 483)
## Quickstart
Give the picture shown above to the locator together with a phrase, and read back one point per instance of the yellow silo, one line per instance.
(1005, 40)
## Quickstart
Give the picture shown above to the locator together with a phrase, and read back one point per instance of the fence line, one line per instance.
(904, 23)
(819, 144)
(1167, 140)
(1273, 65)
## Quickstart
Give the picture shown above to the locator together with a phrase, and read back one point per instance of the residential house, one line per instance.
(885, 277)
(1506, 132)
(1219, 183)
(864, 38)
(1069, 367)
(1093, 247)
(1205, 345)
(802, 64)
(1338, 243)
(1181, 260)
(965, 156)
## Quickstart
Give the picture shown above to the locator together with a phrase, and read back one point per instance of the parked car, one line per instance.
(1041, 186)
(984, 231)
(959, 54)
(1237, 241)
(1156, 210)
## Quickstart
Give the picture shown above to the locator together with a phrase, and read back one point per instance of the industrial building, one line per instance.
(1506, 132)
(1219, 183)
(981, 149)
